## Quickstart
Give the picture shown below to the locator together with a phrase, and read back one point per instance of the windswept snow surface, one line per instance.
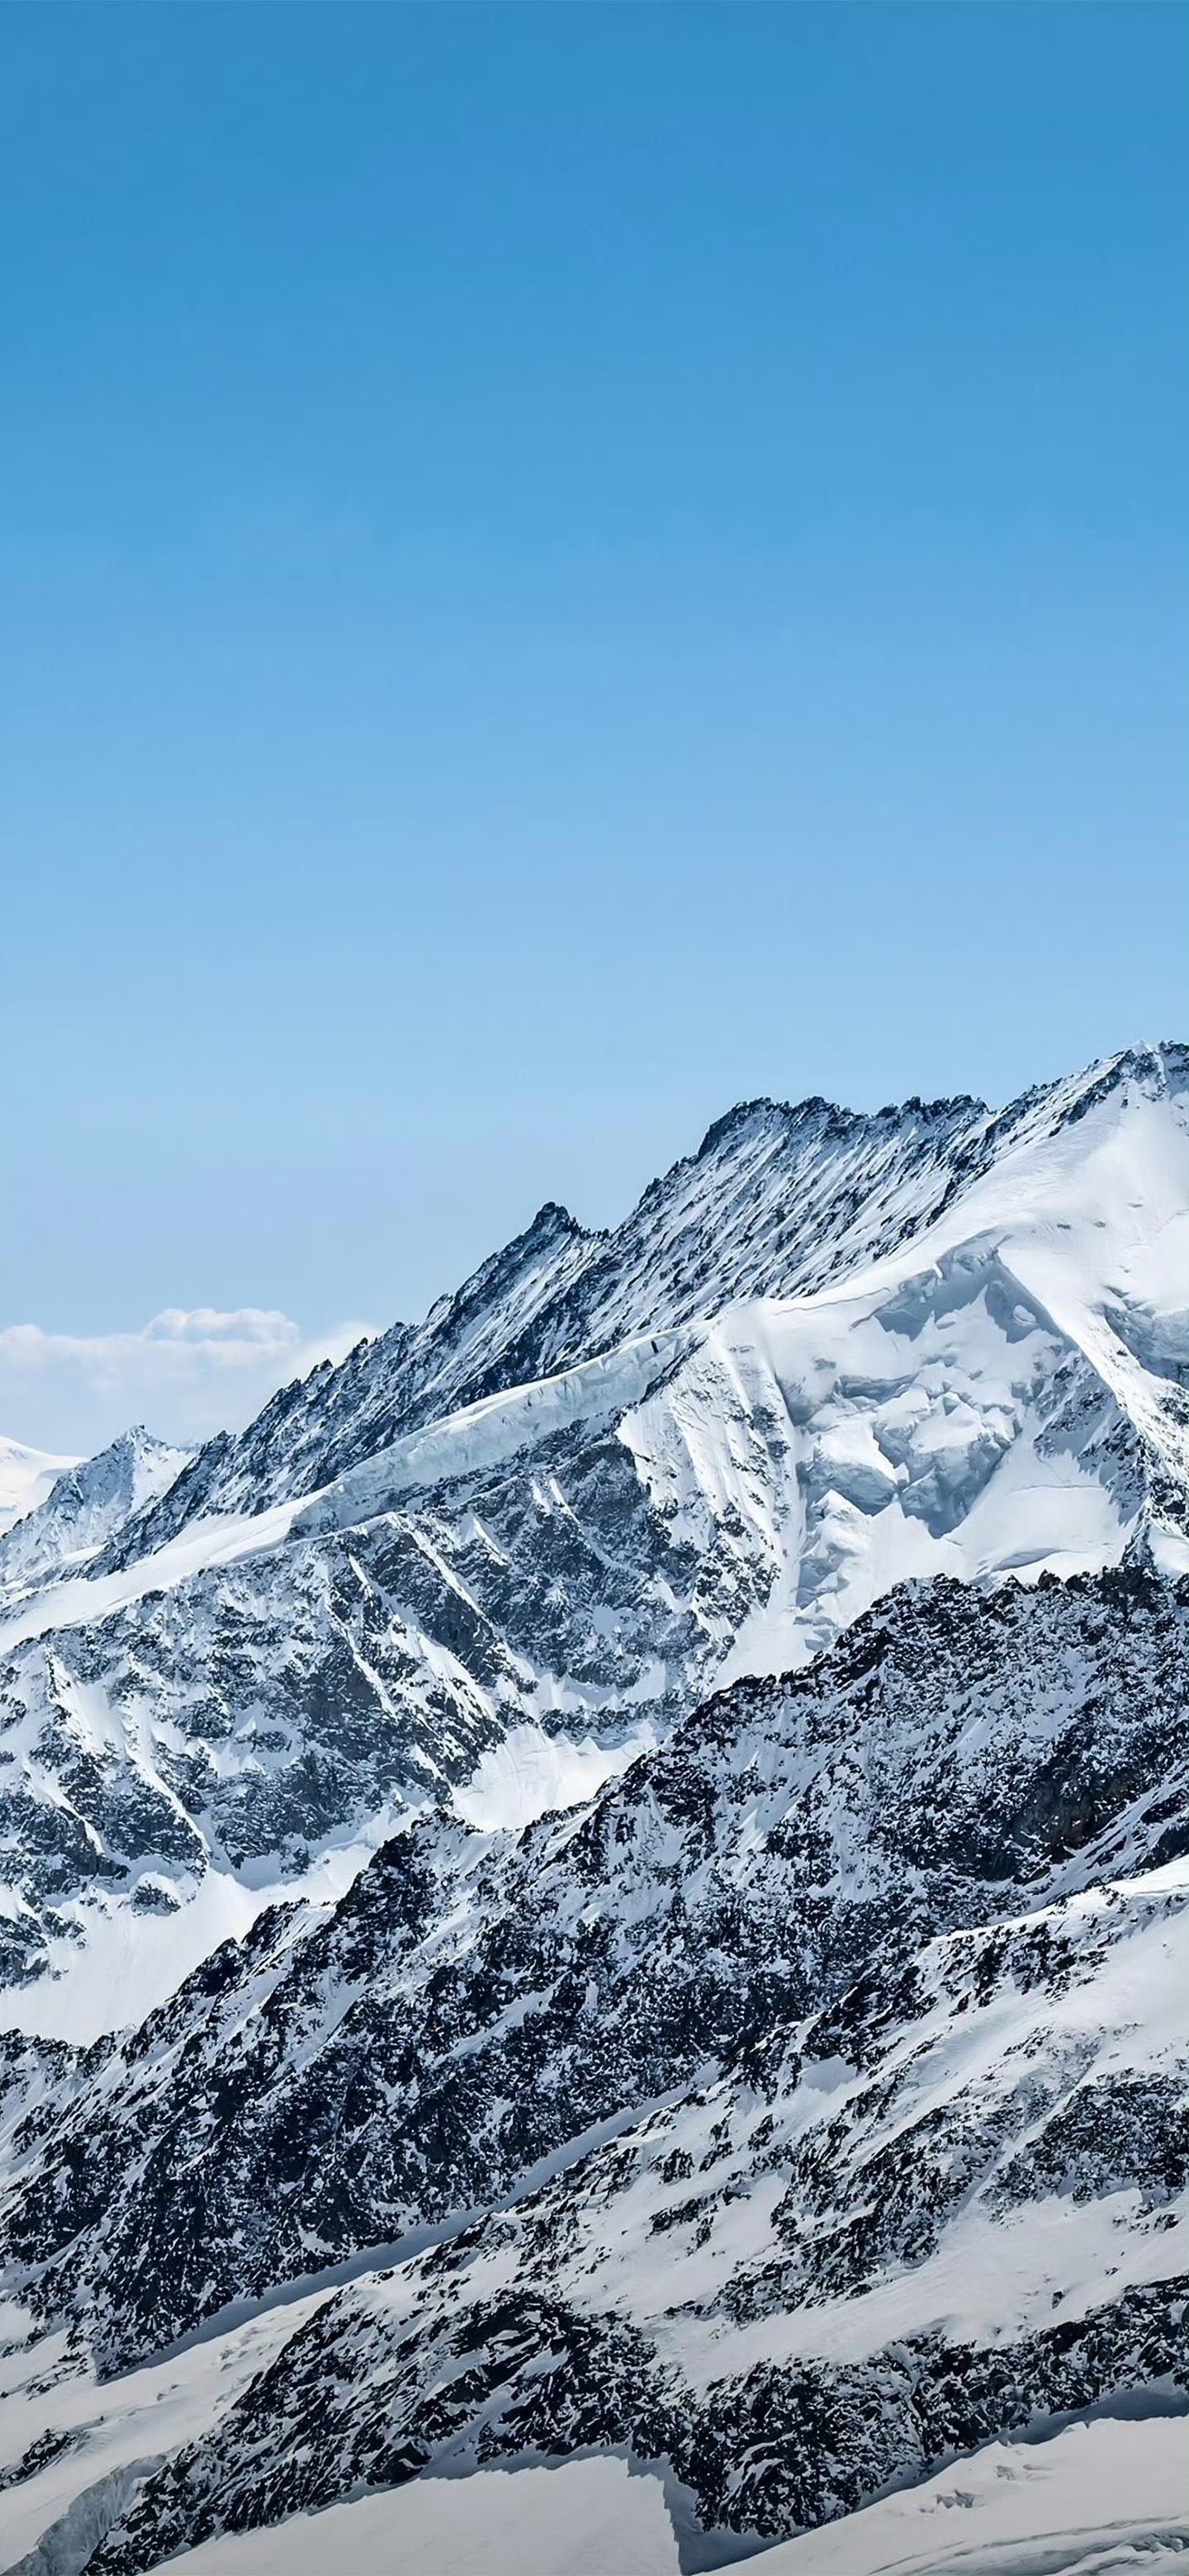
(589, 2518)
(138, 1953)
(533, 1774)
(1107, 2498)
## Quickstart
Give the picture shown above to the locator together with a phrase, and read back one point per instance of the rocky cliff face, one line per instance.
(811, 2106)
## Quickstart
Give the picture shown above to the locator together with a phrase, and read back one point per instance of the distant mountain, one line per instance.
(607, 1880)
(88, 1501)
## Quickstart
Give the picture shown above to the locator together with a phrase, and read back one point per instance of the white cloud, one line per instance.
(185, 1373)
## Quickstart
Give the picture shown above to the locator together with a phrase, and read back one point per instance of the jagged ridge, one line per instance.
(777, 1201)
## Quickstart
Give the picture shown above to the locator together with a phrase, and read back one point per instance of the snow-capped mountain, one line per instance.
(606, 1881)
(87, 1503)
(505, 1602)
(777, 1202)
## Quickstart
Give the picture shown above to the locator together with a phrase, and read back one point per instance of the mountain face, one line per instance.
(655, 2296)
(608, 1880)
(476, 2001)
(777, 1202)
(812, 2106)
(502, 1604)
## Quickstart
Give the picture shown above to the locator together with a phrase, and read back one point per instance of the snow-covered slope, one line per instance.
(88, 1502)
(1106, 2497)
(475, 2002)
(715, 2290)
(809, 2112)
(777, 1201)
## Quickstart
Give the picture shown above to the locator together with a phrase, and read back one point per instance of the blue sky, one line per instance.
(564, 566)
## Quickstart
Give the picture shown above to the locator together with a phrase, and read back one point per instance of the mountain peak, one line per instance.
(87, 1503)
(551, 1219)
